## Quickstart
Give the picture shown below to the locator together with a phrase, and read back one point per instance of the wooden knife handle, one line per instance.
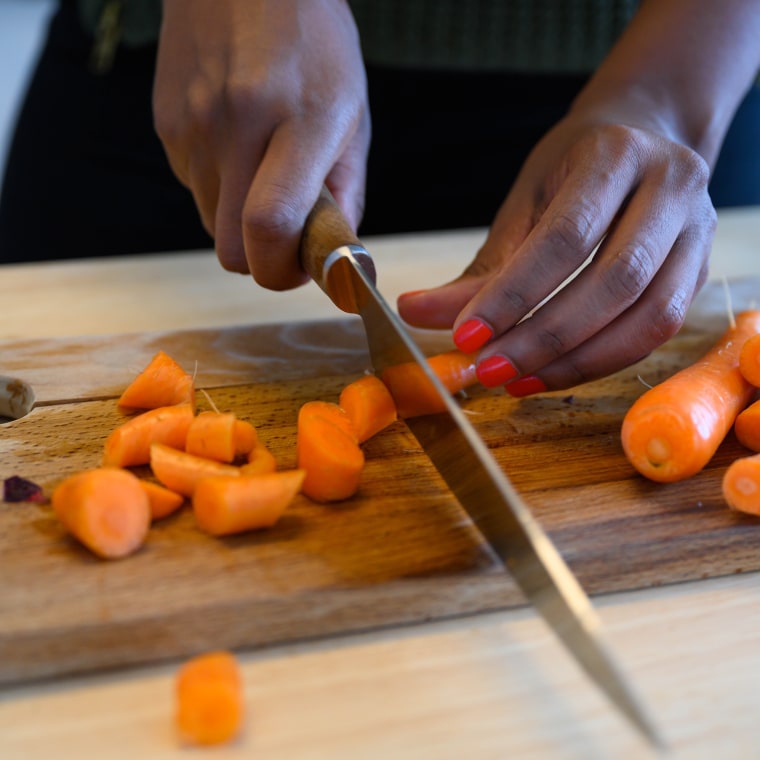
(325, 232)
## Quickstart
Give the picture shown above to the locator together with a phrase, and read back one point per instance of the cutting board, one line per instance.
(401, 551)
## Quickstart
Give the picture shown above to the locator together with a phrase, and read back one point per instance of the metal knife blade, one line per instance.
(342, 267)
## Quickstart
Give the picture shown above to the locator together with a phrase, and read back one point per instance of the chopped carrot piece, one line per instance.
(328, 449)
(162, 383)
(672, 431)
(180, 471)
(246, 438)
(106, 509)
(260, 461)
(209, 699)
(414, 394)
(749, 360)
(747, 427)
(212, 435)
(163, 502)
(129, 443)
(741, 484)
(225, 504)
(369, 405)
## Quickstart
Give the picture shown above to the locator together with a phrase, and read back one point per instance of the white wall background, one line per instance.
(22, 25)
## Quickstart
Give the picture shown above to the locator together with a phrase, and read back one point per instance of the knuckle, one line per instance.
(664, 321)
(630, 272)
(568, 233)
(551, 343)
(273, 218)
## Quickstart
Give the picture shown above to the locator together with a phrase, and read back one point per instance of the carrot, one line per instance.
(369, 405)
(163, 502)
(672, 431)
(226, 504)
(106, 509)
(260, 461)
(210, 707)
(328, 450)
(162, 383)
(749, 360)
(179, 471)
(741, 484)
(212, 435)
(129, 443)
(747, 427)
(246, 438)
(414, 394)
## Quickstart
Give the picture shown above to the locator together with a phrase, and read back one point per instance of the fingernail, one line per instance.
(472, 335)
(495, 370)
(525, 386)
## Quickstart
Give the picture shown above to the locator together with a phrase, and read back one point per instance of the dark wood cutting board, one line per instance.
(402, 551)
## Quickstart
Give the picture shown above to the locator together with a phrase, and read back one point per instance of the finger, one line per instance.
(203, 182)
(648, 323)
(572, 225)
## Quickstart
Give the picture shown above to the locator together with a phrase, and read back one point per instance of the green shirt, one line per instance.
(500, 35)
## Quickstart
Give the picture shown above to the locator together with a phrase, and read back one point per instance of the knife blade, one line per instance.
(338, 262)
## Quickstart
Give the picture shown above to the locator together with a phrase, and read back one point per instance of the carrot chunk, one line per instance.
(741, 484)
(749, 360)
(328, 450)
(246, 438)
(162, 383)
(747, 427)
(672, 431)
(414, 394)
(225, 504)
(212, 435)
(106, 509)
(163, 502)
(260, 461)
(369, 405)
(129, 443)
(210, 706)
(180, 471)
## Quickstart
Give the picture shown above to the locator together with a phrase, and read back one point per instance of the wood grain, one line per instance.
(401, 551)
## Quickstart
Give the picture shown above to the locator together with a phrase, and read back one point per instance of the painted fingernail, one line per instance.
(472, 335)
(525, 386)
(495, 370)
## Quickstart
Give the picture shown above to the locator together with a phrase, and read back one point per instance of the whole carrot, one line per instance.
(672, 431)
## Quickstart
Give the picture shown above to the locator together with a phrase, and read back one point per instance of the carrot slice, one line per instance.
(212, 435)
(747, 426)
(180, 471)
(106, 509)
(209, 699)
(246, 438)
(413, 393)
(162, 383)
(260, 461)
(672, 431)
(129, 443)
(163, 502)
(741, 484)
(749, 360)
(369, 405)
(328, 450)
(226, 504)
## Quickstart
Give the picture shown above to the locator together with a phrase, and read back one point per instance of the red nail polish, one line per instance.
(472, 335)
(495, 370)
(525, 386)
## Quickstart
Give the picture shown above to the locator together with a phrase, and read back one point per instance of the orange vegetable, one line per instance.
(106, 509)
(672, 431)
(260, 461)
(162, 383)
(246, 438)
(220, 436)
(412, 391)
(741, 484)
(747, 426)
(180, 471)
(209, 699)
(226, 504)
(369, 405)
(328, 450)
(749, 360)
(129, 443)
(163, 502)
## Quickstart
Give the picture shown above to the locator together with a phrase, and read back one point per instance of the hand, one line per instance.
(258, 103)
(631, 190)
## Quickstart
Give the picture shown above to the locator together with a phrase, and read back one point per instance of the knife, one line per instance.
(338, 262)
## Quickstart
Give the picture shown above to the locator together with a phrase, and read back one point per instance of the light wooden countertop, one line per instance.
(491, 686)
